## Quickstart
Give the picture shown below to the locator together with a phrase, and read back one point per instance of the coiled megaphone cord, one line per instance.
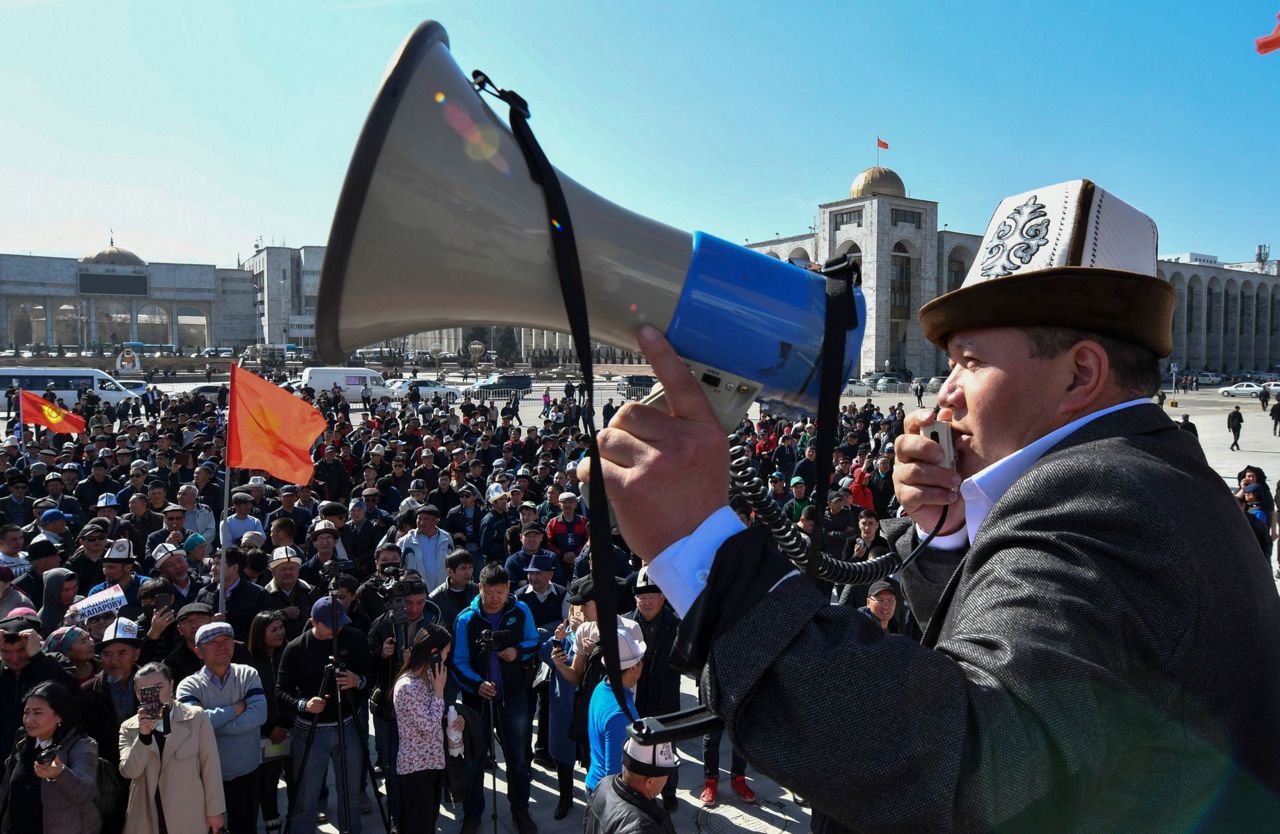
(747, 482)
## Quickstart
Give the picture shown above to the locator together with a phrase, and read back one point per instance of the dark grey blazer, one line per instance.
(1106, 657)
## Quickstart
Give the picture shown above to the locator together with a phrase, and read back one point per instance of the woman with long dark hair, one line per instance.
(266, 645)
(50, 783)
(420, 710)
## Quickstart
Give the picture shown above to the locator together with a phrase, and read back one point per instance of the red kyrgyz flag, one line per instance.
(36, 409)
(881, 144)
(269, 428)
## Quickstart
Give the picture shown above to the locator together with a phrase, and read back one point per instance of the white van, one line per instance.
(350, 380)
(66, 383)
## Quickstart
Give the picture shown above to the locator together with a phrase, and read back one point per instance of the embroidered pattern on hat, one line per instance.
(1016, 241)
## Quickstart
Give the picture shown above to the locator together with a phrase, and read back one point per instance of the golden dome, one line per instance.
(114, 256)
(878, 181)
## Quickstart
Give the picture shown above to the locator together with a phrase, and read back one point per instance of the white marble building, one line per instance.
(115, 296)
(1227, 317)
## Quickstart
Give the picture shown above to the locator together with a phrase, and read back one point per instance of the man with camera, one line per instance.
(495, 640)
(309, 670)
(390, 638)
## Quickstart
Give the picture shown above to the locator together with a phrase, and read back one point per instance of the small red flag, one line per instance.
(1268, 43)
(881, 144)
(269, 428)
(39, 411)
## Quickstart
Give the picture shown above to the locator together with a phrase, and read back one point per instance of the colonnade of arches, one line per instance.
(85, 323)
(1224, 324)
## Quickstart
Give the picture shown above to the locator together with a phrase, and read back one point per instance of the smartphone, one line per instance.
(184, 458)
(46, 755)
(164, 601)
(939, 431)
(149, 700)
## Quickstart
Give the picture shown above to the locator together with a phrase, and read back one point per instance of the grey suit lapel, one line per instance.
(1139, 419)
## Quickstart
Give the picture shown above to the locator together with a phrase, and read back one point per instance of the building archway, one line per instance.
(67, 325)
(114, 322)
(1179, 285)
(849, 248)
(959, 260)
(1247, 315)
(1231, 326)
(798, 253)
(193, 328)
(26, 320)
(1195, 321)
(1262, 323)
(1213, 355)
(153, 325)
(774, 255)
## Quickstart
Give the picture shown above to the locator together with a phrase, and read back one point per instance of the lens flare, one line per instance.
(440, 99)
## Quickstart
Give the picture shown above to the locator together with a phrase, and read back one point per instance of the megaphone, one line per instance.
(439, 225)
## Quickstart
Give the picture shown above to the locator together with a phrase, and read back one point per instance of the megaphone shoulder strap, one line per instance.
(569, 271)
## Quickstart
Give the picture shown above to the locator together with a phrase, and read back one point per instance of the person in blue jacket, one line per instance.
(606, 720)
(495, 639)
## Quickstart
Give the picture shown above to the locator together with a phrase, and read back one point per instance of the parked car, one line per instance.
(1241, 389)
(1209, 378)
(635, 386)
(889, 383)
(500, 385)
(935, 383)
(428, 388)
(856, 388)
(136, 386)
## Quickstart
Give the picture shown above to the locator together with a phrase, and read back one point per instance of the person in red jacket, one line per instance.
(566, 533)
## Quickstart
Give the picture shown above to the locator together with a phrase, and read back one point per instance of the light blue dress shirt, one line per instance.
(682, 569)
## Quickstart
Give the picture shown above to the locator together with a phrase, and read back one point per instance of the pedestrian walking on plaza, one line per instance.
(1275, 418)
(1264, 397)
(1235, 422)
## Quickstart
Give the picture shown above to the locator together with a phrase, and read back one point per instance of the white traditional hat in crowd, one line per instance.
(164, 551)
(652, 760)
(631, 644)
(1066, 255)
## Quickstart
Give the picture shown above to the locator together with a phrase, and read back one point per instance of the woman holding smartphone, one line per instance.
(169, 753)
(50, 781)
(420, 709)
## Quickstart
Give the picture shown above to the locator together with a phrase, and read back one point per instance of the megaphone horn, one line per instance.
(439, 225)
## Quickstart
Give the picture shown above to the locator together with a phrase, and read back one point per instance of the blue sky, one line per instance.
(193, 129)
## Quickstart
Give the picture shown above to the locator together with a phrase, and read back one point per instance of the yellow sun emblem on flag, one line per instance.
(51, 414)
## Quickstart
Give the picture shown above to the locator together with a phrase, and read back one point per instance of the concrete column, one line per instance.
(173, 323)
(133, 320)
(49, 312)
(93, 320)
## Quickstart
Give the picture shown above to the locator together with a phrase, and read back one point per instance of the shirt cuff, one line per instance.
(950, 541)
(682, 569)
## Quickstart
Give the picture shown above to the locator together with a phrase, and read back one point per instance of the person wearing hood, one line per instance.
(60, 589)
(10, 597)
(74, 645)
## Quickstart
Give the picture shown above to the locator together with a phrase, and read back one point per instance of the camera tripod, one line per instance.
(329, 683)
(492, 713)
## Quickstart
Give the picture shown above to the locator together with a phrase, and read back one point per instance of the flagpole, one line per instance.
(226, 506)
(222, 559)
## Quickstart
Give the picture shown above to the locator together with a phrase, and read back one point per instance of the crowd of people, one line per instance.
(428, 590)
(167, 664)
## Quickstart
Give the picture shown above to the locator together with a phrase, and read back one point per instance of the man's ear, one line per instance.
(1089, 370)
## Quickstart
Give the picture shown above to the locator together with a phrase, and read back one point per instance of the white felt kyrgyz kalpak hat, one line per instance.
(1066, 255)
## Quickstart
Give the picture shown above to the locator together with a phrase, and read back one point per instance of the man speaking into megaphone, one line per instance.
(1077, 672)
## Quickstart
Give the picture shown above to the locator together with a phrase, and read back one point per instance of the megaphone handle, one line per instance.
(730, 395)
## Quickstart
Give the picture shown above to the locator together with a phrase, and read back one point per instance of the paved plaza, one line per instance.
(775, 809)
